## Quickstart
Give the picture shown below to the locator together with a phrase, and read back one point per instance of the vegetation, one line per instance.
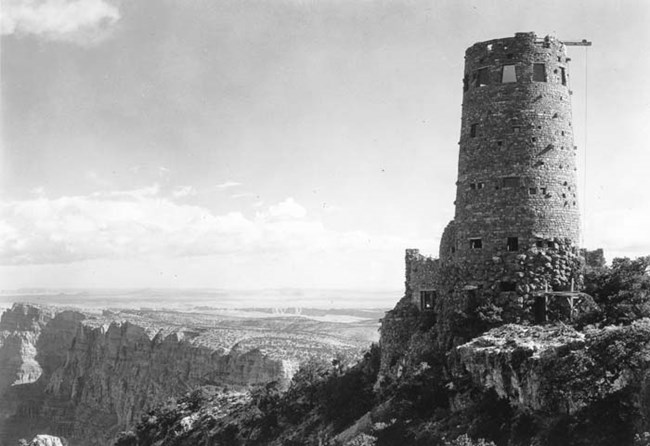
(622, 291)
(331, 403)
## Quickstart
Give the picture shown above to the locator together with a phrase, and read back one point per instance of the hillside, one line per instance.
(584, 383)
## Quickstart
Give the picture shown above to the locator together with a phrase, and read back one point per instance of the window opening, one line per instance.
(427, 299)
(472, 186)
(482, 77)
(473, 130)
(499, 143)
(475, 243)
(508, 74)
(508, 286)
(516, 129)
(512, 244)
(539, 243)
(480, 185)
(532, 190)
(539, 72)
(510, 181)
(563, 75)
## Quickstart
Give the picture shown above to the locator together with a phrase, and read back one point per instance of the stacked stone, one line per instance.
(516, 225)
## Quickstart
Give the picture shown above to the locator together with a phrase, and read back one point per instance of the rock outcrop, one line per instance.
(46, 440)
(85, 378)
(556, 369)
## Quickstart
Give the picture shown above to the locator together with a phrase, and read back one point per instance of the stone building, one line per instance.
(516, 229)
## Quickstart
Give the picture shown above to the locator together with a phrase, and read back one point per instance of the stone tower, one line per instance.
(516, 227)
(516, 188)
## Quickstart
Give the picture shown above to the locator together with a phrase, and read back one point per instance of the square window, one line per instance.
(475, 243)
(510, 181)
(508, 74)
(516, 129)
(480, 185)
(472, 186)
(539, 72)
(532, 191)
(512, 244)
(540, 243)
(508, 286)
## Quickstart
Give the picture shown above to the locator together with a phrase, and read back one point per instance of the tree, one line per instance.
(622, 291)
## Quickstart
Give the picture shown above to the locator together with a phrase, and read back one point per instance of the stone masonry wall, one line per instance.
(517, 162)
(421, 273)
(515, 231)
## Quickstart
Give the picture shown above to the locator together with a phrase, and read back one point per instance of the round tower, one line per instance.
(516, 224)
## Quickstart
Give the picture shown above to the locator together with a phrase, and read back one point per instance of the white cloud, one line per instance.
(140, 223)
(228, 184)
(38, 191)
(288, 209)
(183, 191)
(79, 21)
(244, 195)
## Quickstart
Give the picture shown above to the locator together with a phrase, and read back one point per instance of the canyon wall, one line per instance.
(84, 378)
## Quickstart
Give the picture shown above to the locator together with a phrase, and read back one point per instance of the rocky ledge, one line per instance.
(556, 368)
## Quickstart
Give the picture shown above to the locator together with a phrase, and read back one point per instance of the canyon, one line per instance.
(87, 375)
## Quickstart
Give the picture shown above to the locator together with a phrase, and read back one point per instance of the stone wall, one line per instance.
(517, 161)
(421, 273)
(515, 232)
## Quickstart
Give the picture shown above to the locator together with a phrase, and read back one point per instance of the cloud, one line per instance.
(140, 223)
(288, 209)
(244, 195)
(183, 191)
(78, 21)
(228, 184)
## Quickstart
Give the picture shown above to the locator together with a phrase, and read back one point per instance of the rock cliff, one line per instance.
(556, 368)
(85, 377)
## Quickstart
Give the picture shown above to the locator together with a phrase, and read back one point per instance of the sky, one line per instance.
(286, 143)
